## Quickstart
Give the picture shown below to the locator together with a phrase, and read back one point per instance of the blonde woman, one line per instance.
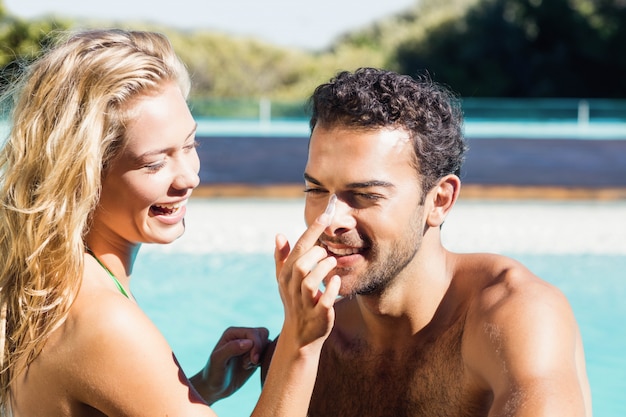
(101, 158)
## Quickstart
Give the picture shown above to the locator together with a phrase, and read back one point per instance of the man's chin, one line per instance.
(349, 285)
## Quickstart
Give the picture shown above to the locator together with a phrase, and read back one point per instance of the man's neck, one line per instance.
(409, 304)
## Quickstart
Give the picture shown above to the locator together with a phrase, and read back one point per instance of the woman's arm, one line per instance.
(309, 318)
(122, 365)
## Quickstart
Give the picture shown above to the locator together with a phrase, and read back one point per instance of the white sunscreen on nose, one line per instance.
(330, 208)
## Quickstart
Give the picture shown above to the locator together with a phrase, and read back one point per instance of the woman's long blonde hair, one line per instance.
(68, 120)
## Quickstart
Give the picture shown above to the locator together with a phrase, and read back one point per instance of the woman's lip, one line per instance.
(172, 218)
(173, 204)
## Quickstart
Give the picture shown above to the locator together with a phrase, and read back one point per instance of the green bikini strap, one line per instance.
(117, 283)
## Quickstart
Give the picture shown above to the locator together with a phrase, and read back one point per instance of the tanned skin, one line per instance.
(420, 330)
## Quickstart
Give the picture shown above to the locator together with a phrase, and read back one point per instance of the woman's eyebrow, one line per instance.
(193, 131)
(165, 150)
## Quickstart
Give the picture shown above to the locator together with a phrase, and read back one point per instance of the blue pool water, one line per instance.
(192, 298)
(596, 129)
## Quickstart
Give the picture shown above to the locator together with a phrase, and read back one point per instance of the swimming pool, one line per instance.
(221, 273)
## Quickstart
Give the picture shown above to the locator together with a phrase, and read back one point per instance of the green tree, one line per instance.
(526, 48)
(21, 41)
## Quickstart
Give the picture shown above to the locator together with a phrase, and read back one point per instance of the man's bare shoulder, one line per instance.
(502, 293)
(502, 285)
(520, 331)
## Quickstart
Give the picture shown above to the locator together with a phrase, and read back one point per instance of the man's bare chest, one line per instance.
(428, 380)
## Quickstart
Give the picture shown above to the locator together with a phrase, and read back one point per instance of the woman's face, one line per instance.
(146, 187)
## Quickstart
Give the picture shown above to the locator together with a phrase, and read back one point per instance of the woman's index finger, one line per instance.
(313, 232)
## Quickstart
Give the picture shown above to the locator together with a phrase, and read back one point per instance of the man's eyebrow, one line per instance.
(310, 179)
(370, 184)
(160, 151)
(353, 185)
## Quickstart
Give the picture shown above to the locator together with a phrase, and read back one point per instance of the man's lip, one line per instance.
(341, 250)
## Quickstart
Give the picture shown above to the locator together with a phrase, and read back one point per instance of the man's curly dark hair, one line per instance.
(371, 98)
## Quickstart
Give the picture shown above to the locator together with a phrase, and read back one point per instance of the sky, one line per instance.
(308, 24)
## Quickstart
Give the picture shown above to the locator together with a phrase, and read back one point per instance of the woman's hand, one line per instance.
(309, 312)
(233, 361)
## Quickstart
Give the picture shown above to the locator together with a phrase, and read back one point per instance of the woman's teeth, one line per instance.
(167, 208)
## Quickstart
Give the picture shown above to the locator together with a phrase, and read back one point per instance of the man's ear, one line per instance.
(442, 197)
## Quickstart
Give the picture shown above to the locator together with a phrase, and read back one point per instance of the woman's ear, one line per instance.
(443, 196)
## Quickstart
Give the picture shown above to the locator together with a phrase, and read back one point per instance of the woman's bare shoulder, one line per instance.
(108, 352)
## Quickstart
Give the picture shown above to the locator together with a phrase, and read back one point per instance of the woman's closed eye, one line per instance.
(154, 167)
(193, 145)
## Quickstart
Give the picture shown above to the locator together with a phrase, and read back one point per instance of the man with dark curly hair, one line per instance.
(420, 330)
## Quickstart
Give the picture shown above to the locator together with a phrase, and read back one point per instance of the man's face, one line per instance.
(378, 224)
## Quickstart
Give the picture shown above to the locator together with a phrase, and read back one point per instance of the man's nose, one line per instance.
(343, 219)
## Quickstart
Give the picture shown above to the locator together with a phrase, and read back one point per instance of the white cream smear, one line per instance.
(330, 208)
